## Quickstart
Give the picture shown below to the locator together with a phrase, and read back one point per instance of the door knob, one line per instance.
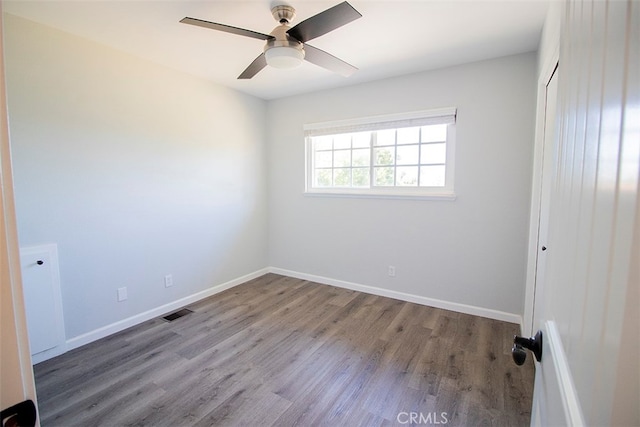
(520, 343)
(22, 414)
(39, 262)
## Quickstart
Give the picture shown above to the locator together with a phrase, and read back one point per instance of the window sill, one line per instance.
(443, 196)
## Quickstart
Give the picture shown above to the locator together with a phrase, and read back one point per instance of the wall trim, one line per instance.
(430, 302)
(120, 325)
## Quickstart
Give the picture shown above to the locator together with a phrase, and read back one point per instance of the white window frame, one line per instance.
(393, 121)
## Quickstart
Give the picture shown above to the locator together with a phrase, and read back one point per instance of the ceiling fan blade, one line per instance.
(226, 28)
(323, 22)
(258, 64)
(328, 61)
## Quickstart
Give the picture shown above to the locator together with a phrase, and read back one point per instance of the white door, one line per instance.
(43, 302)
(592, 228)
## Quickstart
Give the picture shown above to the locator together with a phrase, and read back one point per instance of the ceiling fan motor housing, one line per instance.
(283, 13)
(283, 51)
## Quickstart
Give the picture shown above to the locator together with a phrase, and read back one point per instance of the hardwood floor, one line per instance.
(282, 351)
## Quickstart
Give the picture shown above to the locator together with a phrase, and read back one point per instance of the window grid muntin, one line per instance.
(373, 145)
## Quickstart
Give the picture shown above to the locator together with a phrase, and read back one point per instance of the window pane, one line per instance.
(407, 155)
(384, 156)
(407, 176)
(322, 178)
(434, 133)
(383, 177)
(366, 157)
(361, 139)
(342, 141)
(386, 137)
(361, 157)
(322, 142)
(433, 153)
(342, 158)
(432, 176)
(342, 177)
(409, 135)
(360, 177)
(323, 159)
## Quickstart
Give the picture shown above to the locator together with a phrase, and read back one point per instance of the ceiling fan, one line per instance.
(287, 46)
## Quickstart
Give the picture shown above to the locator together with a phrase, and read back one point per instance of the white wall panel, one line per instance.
(591, 283)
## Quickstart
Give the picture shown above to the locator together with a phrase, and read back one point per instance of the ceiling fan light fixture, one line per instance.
(286, 46)
(284, 56)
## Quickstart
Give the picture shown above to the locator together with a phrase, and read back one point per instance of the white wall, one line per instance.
(469, 251)
(135, 171)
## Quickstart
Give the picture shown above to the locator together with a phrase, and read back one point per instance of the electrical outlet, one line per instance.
(168, 281)
(122, 294)
(392, 271)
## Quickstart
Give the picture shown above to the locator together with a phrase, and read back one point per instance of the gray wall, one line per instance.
(469, 251)
(134, 170)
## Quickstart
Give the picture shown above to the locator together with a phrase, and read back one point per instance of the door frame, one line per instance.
(17, 373)
(546, 72)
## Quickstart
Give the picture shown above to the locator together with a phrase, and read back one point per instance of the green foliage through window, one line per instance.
(403, 157)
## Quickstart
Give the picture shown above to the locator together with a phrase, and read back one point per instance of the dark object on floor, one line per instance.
(178, 314)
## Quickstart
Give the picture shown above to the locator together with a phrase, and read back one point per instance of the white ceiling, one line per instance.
(392, 38)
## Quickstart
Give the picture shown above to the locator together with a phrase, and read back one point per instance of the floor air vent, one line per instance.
(178, 314)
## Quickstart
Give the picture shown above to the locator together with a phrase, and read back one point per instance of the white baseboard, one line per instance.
(120, 325)
(49, 354)
(431, 302)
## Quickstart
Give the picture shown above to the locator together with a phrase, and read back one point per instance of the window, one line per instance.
(407, 155)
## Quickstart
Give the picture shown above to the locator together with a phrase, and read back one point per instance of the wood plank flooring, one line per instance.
(282, 351)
